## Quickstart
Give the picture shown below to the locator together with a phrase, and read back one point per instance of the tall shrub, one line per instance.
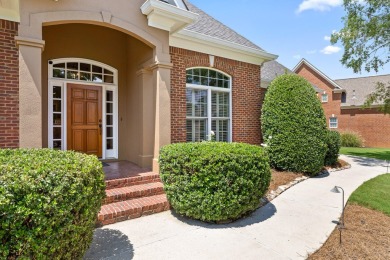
(294, 125)
(49, 202)
(333, 142)
(214, 181)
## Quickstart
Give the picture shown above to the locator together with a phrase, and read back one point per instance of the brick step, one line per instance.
(132, 192)
(142, 178)
(133, 208)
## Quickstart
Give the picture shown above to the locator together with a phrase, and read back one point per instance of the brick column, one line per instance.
(9, 85)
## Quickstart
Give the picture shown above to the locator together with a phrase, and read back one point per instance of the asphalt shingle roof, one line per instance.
(362, 86)
(209, 26)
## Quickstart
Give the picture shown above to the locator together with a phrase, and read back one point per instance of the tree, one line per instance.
(366, 41)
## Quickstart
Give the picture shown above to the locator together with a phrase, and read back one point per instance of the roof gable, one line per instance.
(311, 66)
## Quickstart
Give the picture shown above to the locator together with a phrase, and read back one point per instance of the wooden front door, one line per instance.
(84, 122)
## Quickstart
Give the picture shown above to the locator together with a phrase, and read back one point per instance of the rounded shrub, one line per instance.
(294, 125)
(213, 181)
(351, 139)
(333, 141)
(49, 202)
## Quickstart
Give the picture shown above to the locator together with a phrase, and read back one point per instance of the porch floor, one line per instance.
(122, 169)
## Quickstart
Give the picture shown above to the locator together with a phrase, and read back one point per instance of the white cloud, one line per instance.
(327, 38)
(330, 49)
(297, 56)
(312, 52)
(318, 5)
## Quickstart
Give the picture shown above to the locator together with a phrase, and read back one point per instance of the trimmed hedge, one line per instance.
(294, 125)
(213, 181)
(49, 202)
(333, 141)
(351, 139)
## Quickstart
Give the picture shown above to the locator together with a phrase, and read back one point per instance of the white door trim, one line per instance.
(62, 83)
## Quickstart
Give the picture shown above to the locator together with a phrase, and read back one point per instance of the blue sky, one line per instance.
(292, 29)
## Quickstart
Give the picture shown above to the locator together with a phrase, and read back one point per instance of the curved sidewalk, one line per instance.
(292, 226)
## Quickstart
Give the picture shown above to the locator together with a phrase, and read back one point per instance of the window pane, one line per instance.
(200, 103)
(59, 65)
(204, 72)
(110, 132)
(200, 130)
(56, 105)
(85, 76)
(108, 79)
(72, 75)
(56, 92)
(57, 145)
(189, 102)
(57, 119)
(110, 95)
(56, 132)
(221, 130)
(109, 72)
(85, 67)
(196, 72)
(97, 78)
(220, 104)
(213, 74)
(72, 66)
(189, 131)
(189, 79)
(97, 69)
(110, 144)
(109, 120)
(59, 73)
(109, 108)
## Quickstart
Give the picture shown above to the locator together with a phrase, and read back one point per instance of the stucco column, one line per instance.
(162, 125)
(30, 92)
(146, 99)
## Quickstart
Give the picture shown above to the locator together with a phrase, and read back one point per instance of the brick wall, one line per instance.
(247, 95)
(371, 124)
(9, 85)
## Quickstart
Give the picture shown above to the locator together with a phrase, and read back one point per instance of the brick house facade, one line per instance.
(345, 98)
(9, 82)
(139, 76)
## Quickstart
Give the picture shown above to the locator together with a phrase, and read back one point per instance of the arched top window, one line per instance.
(208, 77)
(83, 70)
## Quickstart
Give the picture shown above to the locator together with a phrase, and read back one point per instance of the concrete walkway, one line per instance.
(292, 226)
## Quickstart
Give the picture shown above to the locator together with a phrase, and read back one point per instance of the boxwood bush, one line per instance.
(333, 142)
(213, 181)
(351, 139)
(294, 125)
(49, 202)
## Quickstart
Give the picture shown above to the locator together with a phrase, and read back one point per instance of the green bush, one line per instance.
(351, 139)
(294, 125)
(49, 202)
(333, 142)
(213, 181)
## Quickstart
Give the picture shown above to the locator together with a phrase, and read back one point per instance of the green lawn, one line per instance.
(378, 153)
(374, 194)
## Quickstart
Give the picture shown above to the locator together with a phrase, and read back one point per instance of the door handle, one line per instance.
(100, 126)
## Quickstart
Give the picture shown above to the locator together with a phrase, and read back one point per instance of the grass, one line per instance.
(377, 153)
(374, 194)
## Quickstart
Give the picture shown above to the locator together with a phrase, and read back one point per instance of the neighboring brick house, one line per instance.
(342, 101)
(119, 79)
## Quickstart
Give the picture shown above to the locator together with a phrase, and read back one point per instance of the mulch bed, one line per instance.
(279, 178)
(367, 236)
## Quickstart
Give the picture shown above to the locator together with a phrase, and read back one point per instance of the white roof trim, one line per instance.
(304, 61)
(199, 42)
(166, 16)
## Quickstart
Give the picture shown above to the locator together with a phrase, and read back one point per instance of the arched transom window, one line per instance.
(208, 99)
(83, 71)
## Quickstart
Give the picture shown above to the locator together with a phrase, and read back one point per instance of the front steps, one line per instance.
(132, 197)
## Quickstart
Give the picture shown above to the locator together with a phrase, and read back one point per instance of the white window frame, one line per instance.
(324, 98)
(106, 153)
(335, 124)
(209, 100)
